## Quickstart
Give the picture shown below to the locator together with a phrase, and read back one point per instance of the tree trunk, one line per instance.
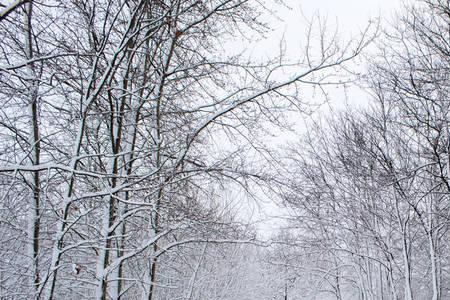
(35, 148)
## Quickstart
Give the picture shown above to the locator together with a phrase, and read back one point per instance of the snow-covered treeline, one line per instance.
(135, 142)
(369, 193)
(122, 125)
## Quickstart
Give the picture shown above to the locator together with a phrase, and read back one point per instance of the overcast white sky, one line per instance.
(351, 16)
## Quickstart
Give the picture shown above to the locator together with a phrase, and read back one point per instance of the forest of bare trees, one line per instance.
(134, 144)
